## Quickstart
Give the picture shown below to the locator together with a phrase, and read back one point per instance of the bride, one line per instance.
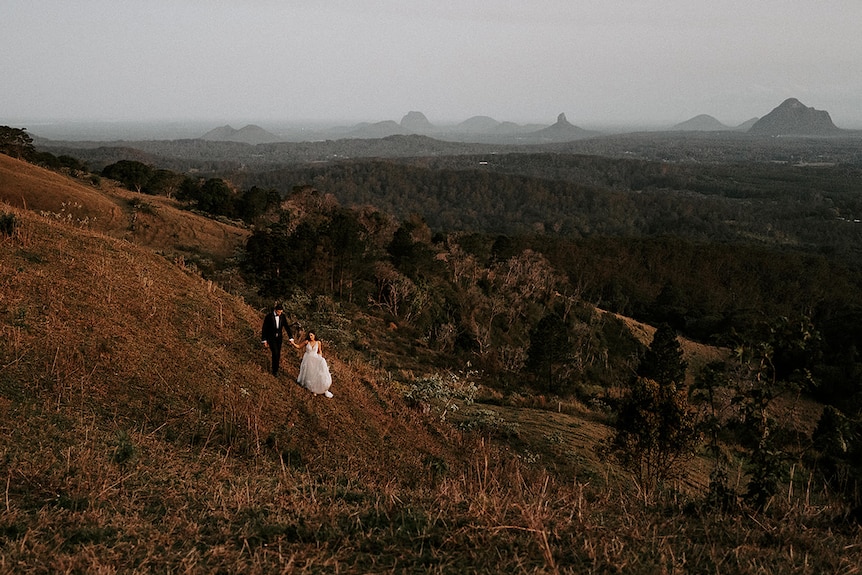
(313, 371)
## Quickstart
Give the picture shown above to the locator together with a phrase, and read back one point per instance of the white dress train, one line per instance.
(314, 371)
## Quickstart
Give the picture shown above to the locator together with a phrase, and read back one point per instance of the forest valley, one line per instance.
(516, 271)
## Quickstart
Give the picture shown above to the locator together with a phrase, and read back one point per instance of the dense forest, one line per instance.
(811, 208)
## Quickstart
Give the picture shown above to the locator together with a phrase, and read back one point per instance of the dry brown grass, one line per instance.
(107, 324)
(152, 221)
(141, 433)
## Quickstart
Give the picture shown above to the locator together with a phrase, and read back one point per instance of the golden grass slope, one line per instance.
(152, 221)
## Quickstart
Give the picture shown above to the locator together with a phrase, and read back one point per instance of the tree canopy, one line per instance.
(16, 142)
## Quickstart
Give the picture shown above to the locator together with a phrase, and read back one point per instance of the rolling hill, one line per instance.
(151, 221)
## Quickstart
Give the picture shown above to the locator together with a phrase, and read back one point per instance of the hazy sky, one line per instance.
(601, 62)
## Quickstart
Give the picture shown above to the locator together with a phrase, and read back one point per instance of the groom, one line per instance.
(274, 324)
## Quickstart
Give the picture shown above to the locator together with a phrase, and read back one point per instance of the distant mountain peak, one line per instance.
(220, 133)
(417, 123)
(478, 124)
(793, 118)
(249, 134)
(700, 123)
(561, 131)
(792, 103)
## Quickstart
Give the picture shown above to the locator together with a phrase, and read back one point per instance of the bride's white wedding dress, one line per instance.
(314, 372)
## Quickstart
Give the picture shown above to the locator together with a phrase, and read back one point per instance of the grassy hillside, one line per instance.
(118, 313)
(103, 206)
(114, 357)
(140, 432)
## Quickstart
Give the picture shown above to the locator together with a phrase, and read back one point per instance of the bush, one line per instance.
(436, 388)
(8, 224)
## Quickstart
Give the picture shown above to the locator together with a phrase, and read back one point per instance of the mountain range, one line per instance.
(483, 129)
(790, 118)
(480, 129)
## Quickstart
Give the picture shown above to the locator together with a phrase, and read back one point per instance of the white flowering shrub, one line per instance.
(440, 387)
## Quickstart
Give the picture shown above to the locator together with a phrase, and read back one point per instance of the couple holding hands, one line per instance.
(313, 371)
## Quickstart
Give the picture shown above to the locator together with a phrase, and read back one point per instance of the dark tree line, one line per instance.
(17, 143)
(214, 196)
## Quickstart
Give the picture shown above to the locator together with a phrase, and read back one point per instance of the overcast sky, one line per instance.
(601, 62)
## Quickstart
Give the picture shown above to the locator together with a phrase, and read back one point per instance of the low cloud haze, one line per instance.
(602, 63)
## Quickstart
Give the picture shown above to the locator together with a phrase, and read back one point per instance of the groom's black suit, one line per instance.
(272, 334)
